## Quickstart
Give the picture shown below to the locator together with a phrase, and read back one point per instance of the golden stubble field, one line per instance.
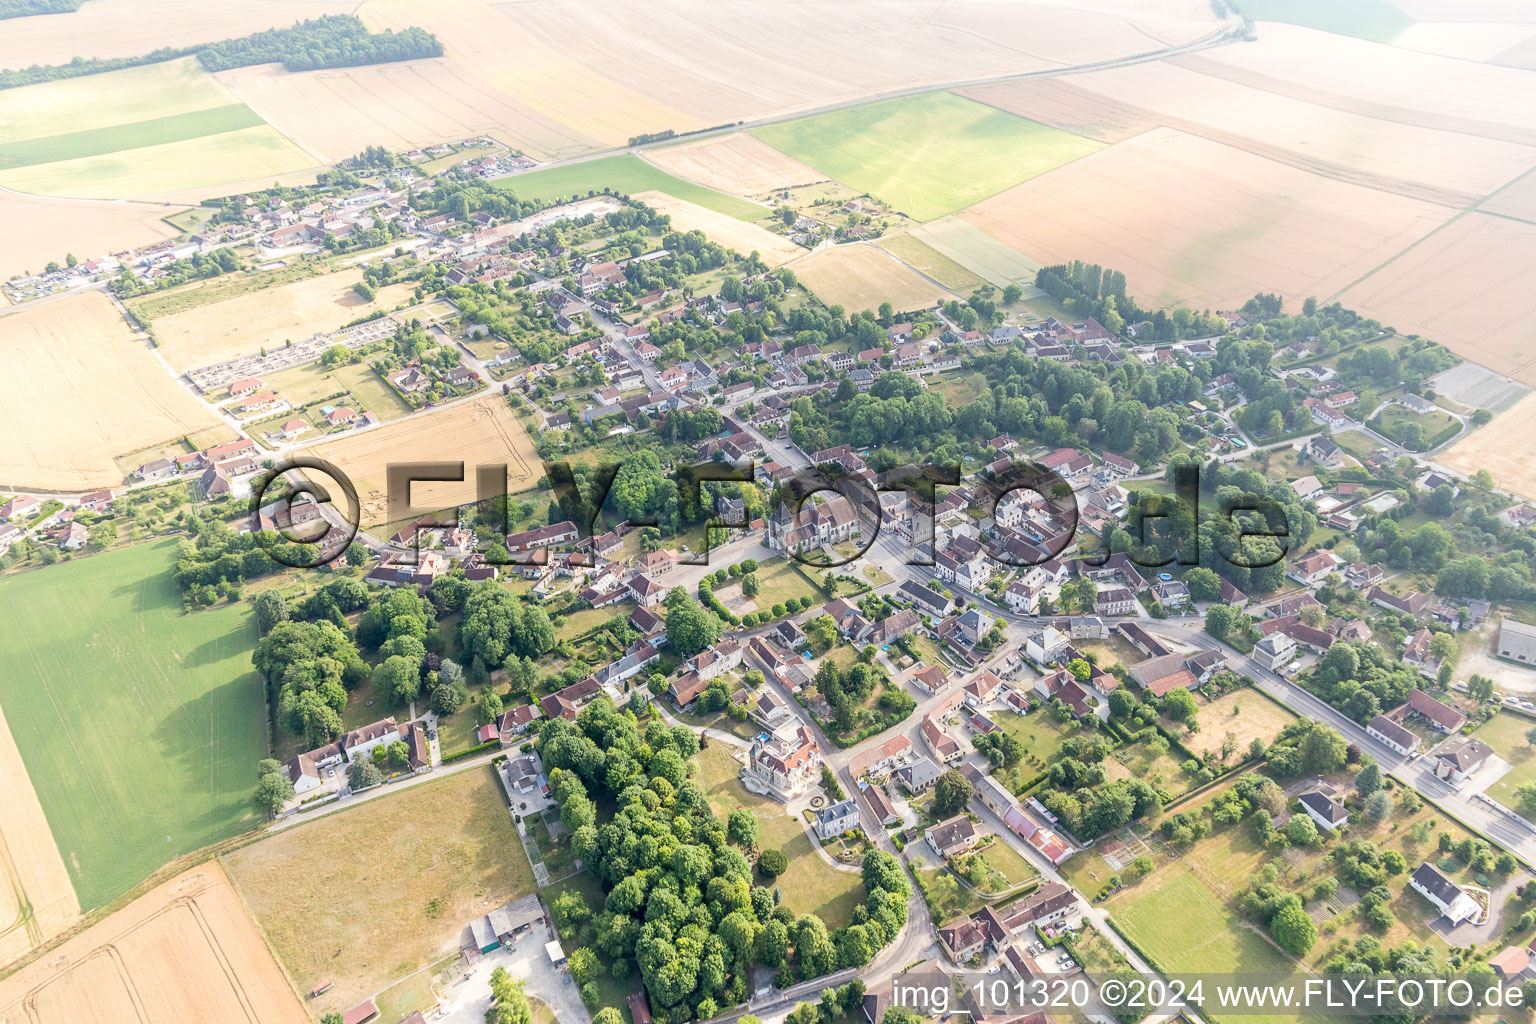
(37, 900)
(479, 432)
(130, 28)
(38, 229)
(87, 390)
(1502, 448)
(738, 163)
(1466, 286)
(268, 319)
(722, 228)
(1194, 221)
(437, 856)
(1420, 162)
(676, 64)
(859, 277)
(186, 951)
(1388, 81)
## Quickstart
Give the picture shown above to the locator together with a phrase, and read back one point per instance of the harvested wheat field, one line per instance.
(94, 392)
(1462, 40)
(130, 28)
(684, 64)
(1440, 166)
(1059, 103)
(1466, 286)
(268, 319)
(1193, 221)
(481, 432)
(1380, 81)
(438, 855)
(736, 163)
(722, 228)
(859, 277)
(1517, 199)
(37, 900)
(334, 114)
(185, 951)
(1501, 448)
(38, 229)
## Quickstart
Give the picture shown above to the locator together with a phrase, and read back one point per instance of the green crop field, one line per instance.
(926, 155)
(979, 252)
(140, 726)
(210, 160)
(112, 98)
(97, 141)
(626, 174)
(1377, 20)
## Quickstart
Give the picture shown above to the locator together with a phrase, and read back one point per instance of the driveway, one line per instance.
(468, 996)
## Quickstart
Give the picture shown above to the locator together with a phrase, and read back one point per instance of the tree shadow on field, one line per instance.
(195, 741)
(240, 640)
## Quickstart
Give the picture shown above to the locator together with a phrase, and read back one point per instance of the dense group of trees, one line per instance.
(329, 41)
(309, 667)
(681, 904)
(27, 8)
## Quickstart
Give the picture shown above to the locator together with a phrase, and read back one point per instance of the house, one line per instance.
(567, 702)
(1442, 716)
(1114, 601)
(1119, 465)
(784, 764)
(974, 625)
(1308, 488)
(1068, 463)
(20, 507)
(1417, 653)
(953, 837)
(1457, 759)
(1448, 897)
(513, 723)
(1021, 598)
(1324, 452)
(543, 537)
(73, 537)
(929, 602)
(940, 742)
(876, 761)
(1274, 650)
(1172, 594)
(1314, 567)
(963, 940)
(1163, 674)
(880, 806)
(835, 819)
(1044, 645)
(919, 776)
(1322, 808)
(1516, 641)
(1515, 963)
(1386, 731)
(931, 679)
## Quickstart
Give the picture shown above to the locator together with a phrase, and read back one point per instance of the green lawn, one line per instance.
(140, 726)
(1377, 20)
(1506, 735)
(811, 885)
(626, 174)
(1394, 418)
(926, 155)
(1183, 928)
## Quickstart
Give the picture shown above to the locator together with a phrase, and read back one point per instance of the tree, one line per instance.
(1219, 620)
(270, 610)
(772, 863)
(1292, 929)
(1203, 584)
(741, 827)
(273, 787)
(690, 627)
(397, 679)
(1301, 831)
(583, 965)
(951, 794)
(1323, 751)
(362, 774)
(509, 1003)
(1368, 780)
(1378, 806)
(750, 585)
(1179, 705)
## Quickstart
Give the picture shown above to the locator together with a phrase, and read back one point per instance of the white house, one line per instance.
(1451, 900)
(836, 819)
